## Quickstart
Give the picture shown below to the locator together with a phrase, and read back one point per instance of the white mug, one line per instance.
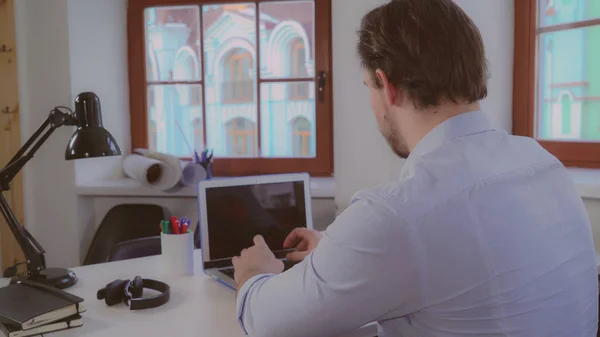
(177, 253)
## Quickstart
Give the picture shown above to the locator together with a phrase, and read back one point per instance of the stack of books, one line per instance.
(29, 309)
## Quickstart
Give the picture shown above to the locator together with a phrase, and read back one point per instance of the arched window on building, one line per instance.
(238, 82)
(241, 138)
(198, 130)
(187, 68)
(566, 126)
(298, 91)
(301, 137)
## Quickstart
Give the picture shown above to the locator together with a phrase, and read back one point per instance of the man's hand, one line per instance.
(256, 260)
(304, 240)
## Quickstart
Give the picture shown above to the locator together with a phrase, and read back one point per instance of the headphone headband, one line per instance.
(152, 302)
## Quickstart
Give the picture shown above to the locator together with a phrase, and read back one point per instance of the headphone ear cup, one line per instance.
(137, 287)
(114, 292)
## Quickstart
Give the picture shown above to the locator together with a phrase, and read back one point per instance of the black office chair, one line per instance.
(197, 243)
(123, 223)
(133, 249)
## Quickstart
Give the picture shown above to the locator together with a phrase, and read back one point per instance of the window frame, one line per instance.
(321, 165)
(525, 73)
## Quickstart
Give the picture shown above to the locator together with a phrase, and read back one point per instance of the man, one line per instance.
(483, 234)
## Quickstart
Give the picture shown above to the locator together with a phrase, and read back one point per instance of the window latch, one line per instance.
(322, 80)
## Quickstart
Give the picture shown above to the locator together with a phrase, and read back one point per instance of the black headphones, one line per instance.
(131, 291)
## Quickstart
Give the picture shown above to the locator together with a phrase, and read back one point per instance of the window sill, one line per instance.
(587, 182)
(321, 188)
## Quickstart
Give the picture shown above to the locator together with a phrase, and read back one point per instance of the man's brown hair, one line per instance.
(429, 48)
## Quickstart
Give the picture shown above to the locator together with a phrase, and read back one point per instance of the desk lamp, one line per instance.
(89, 140)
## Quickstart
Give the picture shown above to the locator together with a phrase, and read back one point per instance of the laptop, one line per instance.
(234, 210)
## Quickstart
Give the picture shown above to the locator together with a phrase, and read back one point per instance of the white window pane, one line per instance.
(568, 97)
(288, 119)
(173, 43)
(557, 12)
(169, 108)
(230, 77)
(287, 44)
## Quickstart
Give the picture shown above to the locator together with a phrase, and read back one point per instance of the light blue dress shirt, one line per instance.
(484, 234)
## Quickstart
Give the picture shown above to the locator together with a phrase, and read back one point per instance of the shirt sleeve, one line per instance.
(342, 285)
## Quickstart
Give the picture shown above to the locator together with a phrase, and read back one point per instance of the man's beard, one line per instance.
(394, 138)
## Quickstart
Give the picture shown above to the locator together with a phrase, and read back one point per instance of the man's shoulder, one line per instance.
(393, 195)
(457, 168)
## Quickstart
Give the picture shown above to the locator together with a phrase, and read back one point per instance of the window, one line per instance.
(238, 77)
(302, 140)
(557, 77)
(241, 138)
(238, 85)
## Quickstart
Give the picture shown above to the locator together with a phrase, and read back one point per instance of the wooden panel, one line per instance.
(10, 139)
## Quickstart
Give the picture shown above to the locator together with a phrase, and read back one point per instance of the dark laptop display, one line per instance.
(237, 213)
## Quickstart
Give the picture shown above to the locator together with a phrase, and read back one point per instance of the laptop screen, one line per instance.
(235, 214)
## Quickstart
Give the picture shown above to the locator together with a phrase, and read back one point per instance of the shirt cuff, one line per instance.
(242, 296)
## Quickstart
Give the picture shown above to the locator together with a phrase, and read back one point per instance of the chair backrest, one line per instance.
(122, 223)
(197, 244)
(135, 248)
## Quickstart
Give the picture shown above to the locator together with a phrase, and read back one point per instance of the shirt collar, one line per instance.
(465, 124)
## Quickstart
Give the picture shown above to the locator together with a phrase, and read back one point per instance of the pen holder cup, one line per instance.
(177, 254)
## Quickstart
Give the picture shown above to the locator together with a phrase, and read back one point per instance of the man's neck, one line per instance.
(426, 120)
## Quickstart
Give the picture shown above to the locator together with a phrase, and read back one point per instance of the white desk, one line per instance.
(199, 306)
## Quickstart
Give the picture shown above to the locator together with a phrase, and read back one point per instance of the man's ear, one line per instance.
(390, 90)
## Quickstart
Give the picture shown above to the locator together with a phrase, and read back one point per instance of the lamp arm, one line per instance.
(55, 119)
(33, 251)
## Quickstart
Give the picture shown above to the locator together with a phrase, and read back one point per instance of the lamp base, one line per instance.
(55, 277)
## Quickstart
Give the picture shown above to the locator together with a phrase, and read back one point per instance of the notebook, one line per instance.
(26, 305)
(67, 323)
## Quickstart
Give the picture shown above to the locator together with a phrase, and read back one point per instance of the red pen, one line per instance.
(175, 225)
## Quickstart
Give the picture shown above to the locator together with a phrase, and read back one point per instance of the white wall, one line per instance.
(44, 82)
(362, 157)
(58, 59)
(495, 20)
(593, 209)
(99, 64)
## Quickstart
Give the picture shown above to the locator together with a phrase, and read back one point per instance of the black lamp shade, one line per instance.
(90, 139)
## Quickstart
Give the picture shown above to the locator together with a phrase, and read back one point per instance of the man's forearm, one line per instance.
(242, 301)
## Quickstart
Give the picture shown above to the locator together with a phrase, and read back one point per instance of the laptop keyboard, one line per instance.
(286, 265)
